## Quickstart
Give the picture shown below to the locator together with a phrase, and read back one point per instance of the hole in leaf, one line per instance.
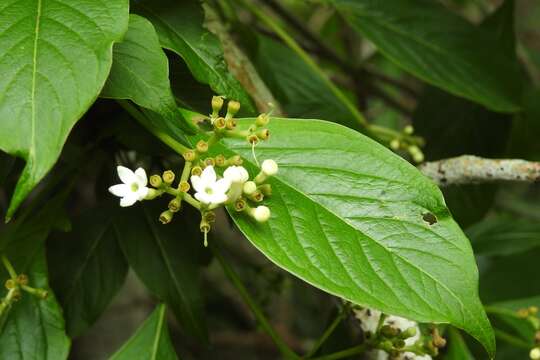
(429, 218)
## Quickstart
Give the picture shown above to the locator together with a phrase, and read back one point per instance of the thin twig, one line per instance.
(468, 169)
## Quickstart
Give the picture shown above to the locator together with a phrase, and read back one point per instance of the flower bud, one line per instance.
(202, 146)
(416, 153)
(152, 194)
(235, 160)
(240, 205)
(535, 354)
(220, 123)
(257, 196)
(533, 310)
(409, 130)
(232, 108)
(155, 181)
(196, 170)
(10, 284)
(168, 177)
(166, 217)
(22, 279)
(264, 134)
(217, 104)
(395, 144)
(389, 331)
(190, 155)
(398, 343)
(269, 167)
(184, 186)
(262, 120)
(410, 332)
(261, 213)
(220, 160)
(210, 216)
(230, 124)
(209, 162)
(252, 139)
(174, 205)
(249, 187)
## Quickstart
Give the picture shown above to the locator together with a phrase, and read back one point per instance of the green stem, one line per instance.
(10, 269)
(511, 339)
(257, 312)
(329, 331)
(166, 139)
(191, 201)
(355, 350)
(289, 41)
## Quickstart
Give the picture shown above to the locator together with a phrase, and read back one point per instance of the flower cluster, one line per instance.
(394, 337)
(408, 142)
(207, 182)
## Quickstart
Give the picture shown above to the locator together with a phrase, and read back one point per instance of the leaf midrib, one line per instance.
(32, 148)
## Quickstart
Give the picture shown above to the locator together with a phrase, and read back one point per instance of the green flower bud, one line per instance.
(184, 186)
(409, 130)
(155, 181)
(166, 217)
(174, 205)
(240, 205)
(395, 144)
(10, 284)
(264, 134)
(220, 160)
(232, 108)
(168, 177)
(230, 124)
(220, 123)
(266, 189)
(22, 279)
(217, 104)
(196, 170)
(202, 146)
(262, 120)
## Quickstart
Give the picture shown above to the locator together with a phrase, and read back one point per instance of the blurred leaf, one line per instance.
(180, 27)
(35, 327)
(165, 258)
(151, 341)
(87, 268)
(347, 217)
(55, 59)
(453, 126)
(457, 348)
(524, 140)
(439, 47)
(504, 235)
(300, 91)
(140, 72)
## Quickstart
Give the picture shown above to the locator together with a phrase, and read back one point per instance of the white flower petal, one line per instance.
(269, 167)
(142, 192)
(119, 190)
(203, 197)
(244, 175)
(209, 175)
(141, 175)
(128, 200)
(218, 199)
(126, 175)
(197, 183)
(221, 186)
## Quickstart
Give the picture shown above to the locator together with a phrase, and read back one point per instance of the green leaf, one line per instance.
(140, 73)
(299, 89)
(35, 327)
(440, 48)
(180, 26)
(55, 58)
(166, 258)
(504, 235)
(457, 347)
(348, 218)
(87, 268)
(151, 341)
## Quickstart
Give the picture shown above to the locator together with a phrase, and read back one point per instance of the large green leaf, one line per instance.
(35, 327)
(348, 217)
(179, 25)
(140, 72)
(457, 347)
(440, 48)
(55, 58)
(151, 341)
(166, 258)
(300, 90)
(87, 268)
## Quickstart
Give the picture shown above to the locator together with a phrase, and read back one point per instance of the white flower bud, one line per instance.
(250, 187)
(535, 354)
(269, 167)
(236, 174)
(261, 213)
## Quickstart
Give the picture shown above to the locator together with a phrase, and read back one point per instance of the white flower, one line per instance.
(261, 213)
(209, 190)
(269, 167)
(236, 174)
(133, 188)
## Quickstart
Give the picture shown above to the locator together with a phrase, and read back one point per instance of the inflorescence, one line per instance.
(208, 182)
